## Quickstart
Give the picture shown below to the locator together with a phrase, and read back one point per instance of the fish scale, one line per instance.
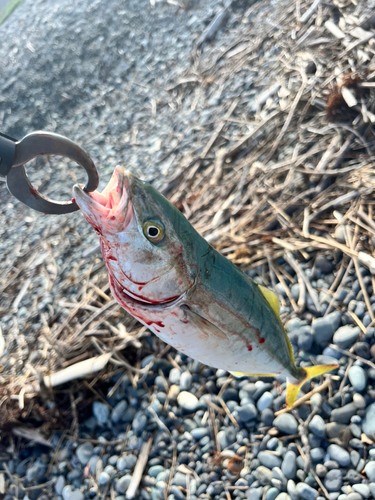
(183, 290)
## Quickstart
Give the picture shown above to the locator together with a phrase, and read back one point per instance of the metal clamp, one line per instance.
(14, 154)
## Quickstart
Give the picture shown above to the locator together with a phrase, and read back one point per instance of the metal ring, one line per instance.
(47, 143)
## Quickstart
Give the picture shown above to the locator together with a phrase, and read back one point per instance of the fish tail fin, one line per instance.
(292, 389)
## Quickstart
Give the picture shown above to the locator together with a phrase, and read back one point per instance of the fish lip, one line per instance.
(112, 203)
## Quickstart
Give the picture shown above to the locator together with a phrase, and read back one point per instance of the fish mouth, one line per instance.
(113, 205)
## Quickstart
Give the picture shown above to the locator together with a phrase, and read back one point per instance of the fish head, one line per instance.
(143, 238)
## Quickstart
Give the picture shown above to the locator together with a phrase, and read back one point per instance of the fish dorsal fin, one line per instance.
(271, 298)
(274, 303)
(203, 324)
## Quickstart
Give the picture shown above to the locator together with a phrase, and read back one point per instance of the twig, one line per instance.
(138, 470)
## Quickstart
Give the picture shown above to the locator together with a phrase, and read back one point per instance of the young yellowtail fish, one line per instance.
(169, 278)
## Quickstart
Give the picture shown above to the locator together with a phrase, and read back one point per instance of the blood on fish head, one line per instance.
(139, 237)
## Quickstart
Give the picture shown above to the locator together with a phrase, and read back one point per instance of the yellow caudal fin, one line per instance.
(292, 390)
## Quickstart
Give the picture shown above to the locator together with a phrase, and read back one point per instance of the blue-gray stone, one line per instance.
(294, 290)
(177, 493)
(272, 494)
(344, 414)
(332, 353)
(338, 454)
(286, 423)
(104, 478)
(246, 412)
(122, 484)
(324, 328)
(306, 492)
(264, 401)
(254, 494)
(100, 412)
(368, 422)
(305, 338)
(68, 493)
(84, 452)
(155, 470)
(370, 470)
(263, 475)
(345, 336)
(357, 377)
(317, 454)
(139, 422)
(92, 463)
(289, 465)
(118, 411)
(362, 489)
(317, 426)
(179, 479)
(269, 459)
(333, 480)
(186, 381)
(59, 485)
(199, 432)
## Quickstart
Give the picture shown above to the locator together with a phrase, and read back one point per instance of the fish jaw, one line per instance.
(110, 211)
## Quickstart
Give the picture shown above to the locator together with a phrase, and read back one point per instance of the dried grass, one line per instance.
(285, 174)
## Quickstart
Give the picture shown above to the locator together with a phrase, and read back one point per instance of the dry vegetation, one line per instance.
(286, 175)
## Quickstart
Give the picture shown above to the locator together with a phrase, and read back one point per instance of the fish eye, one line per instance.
(153, 230)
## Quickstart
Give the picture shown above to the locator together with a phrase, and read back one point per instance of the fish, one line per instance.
(175, 283)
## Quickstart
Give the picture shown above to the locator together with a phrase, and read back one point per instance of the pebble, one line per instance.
(286, 423)
(123, 483)
(368, 422)
(345, 336)
(84, 452)
(100, 412)
(272, 494)
(59, 485)
(70, 494)
(187, 401)
(324, 328)
(265, 401)
(139, 422)
(317, 426)
(118, 411)
(253, 494)
(338, 454)
(186, 381)
(362, 489)
(269, 459)
(289, 465)
(370, 471)
(263, 475)
(104, 478)
(155, 470)
(344, 414)
(357, 377)
(199, 432)
(246, 412)
(174, 376)
(306, 492)
(333, 480)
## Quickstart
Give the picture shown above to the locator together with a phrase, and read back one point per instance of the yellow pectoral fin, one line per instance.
(292, 390)
(274, 303)
(271, 298)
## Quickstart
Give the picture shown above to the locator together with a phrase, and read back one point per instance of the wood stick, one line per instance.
(138, 471)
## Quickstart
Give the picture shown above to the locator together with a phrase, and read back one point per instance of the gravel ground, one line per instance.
(98, 72)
